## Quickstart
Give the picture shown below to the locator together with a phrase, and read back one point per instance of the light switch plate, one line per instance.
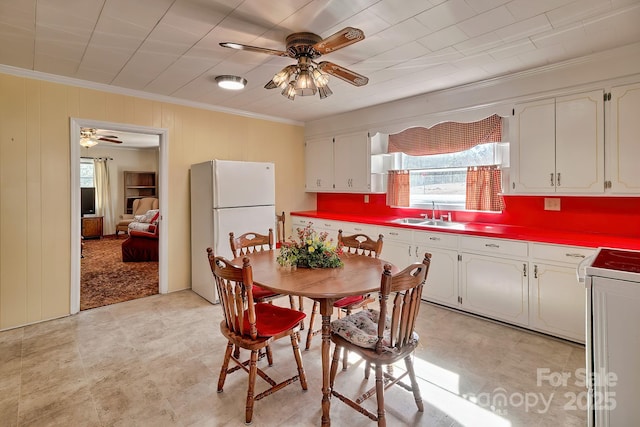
(551, 204)
(366, 198)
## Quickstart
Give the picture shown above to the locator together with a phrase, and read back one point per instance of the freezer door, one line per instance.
(258, 219)
(238, 184)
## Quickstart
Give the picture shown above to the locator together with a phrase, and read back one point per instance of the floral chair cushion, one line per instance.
(361, 329)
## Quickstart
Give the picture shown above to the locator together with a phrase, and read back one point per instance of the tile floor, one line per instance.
(155, 362)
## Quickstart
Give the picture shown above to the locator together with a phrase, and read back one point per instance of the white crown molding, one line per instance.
(37, 75)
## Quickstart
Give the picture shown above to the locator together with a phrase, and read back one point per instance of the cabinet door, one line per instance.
(442, 280)
(557, 301)
(352, 162)
(580, 143)
(495, 287)
(623, 148)
(533, 154)
(397, 246)
(319, 165)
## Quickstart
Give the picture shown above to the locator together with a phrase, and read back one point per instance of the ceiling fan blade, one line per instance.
(109, 140)
(238, 46)
(342, 38)
(343, 73)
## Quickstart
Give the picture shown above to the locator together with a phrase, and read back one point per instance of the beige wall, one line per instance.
(35, 196)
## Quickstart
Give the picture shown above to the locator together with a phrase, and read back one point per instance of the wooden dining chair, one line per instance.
(254, 242)
(281, 237)
(359, 244)
(383, 337)
(252, 326)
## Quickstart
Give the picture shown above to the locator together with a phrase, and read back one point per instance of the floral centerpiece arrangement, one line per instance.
(312, 250)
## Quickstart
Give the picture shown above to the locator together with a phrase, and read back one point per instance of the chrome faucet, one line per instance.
(433, 210)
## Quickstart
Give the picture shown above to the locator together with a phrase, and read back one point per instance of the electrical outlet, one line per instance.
(366, 198)
(551, 204)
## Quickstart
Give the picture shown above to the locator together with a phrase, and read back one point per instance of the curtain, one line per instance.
(483, 188)
(398, 188)
(104, 207)
(449, 137)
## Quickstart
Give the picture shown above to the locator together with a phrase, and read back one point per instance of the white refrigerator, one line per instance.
(226, 196)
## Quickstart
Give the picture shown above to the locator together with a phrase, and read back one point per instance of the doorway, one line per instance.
(75, 126)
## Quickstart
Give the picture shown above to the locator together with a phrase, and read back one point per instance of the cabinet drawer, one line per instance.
(438, 240)
(509, 248)
(401, 234)
(349, 228)
(299, 222)
(565, 254)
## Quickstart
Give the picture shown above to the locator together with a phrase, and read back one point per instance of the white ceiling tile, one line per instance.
(504, 66)
(395, 14)
(404, 32)
(18, 14)
(523, 9)
(508, 50)
(444, 38)
(445, 14)
(479, 44)
(576, 11)
(524, 29)
(480, 6)
(487, 22)
(559, 36)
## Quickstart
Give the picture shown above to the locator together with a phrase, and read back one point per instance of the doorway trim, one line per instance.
(163, 163)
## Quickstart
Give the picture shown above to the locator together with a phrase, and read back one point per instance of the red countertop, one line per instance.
(516, 232)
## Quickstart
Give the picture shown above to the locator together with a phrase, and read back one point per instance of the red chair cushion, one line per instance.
(271, 319)
(343, 302)
(261, 293)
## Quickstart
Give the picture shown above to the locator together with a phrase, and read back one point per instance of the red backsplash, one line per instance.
(606, 215)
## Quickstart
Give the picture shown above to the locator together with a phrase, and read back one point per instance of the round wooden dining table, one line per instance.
(359, 275)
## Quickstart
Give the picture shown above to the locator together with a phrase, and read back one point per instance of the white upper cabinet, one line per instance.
(339, 164)
(319, 164)
(558, 145)
(623, 140)
(352, 162)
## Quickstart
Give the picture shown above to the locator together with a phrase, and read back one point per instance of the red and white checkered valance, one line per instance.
(449, 137)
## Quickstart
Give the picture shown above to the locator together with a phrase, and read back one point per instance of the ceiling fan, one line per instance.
(308, 77)
(90, 137)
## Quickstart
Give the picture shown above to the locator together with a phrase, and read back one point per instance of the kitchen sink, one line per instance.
(440, 223)
(413, 221)
(428, 222)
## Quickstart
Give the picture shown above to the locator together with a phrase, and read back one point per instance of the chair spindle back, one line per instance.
(360, 244)
(404, 289)
(250, 242)
(235, 290)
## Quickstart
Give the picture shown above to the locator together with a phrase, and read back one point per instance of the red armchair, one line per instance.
(141, 246)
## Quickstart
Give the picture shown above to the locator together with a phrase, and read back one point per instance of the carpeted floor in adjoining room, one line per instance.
(105, 279)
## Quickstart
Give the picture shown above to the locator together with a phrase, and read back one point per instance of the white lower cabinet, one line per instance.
(492, 282)
(533, 285)
(442, 281)
(495, 287)
(397, 246)
(557, 301)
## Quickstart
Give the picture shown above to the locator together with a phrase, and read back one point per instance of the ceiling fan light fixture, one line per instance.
(289, 91)
(304, 84)
(324, 92)
(88, 142)
(281, 78)
(231, 82)
(320, 79)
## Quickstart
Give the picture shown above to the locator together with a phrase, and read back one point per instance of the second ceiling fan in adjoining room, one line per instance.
(90, 137)
(308, 77)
